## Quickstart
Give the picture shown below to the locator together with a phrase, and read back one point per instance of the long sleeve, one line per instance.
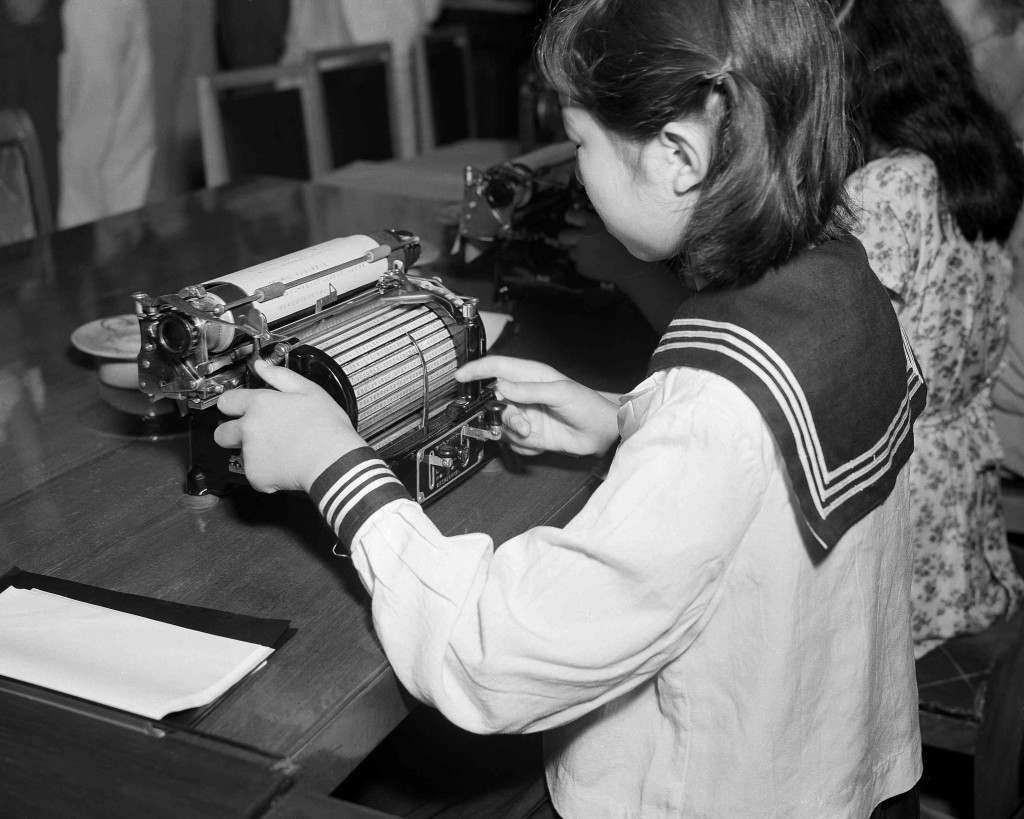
(556, 622)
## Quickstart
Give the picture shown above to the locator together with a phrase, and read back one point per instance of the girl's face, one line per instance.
(644, 193)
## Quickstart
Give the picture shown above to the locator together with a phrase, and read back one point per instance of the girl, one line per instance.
(937, 200)
(723, 629)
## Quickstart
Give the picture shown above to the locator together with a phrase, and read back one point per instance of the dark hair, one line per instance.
(912, 86)
(775, 182)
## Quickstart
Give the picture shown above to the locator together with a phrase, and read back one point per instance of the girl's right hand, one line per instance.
(546, 411)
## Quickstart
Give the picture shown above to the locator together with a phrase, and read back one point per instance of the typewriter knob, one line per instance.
(500, 193)
(492, 413)
(178, 335)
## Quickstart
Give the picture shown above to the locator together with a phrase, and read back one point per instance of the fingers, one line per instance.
(518, 429)
(229, 435)
(236, 402)
(239, 401)
(544, 393)
(516, 422)
(528, 451)
(506, 367)
(282, 379)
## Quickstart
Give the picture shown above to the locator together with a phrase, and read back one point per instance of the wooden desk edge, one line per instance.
(342, 740)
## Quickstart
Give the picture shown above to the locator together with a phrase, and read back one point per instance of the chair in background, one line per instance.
(262, 121)
(445, 92)
(24, 200)
(502, 33)
(354, 84)
(971, 701)
(540, 112)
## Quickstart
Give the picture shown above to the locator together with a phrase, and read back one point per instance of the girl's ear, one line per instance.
(685, 146)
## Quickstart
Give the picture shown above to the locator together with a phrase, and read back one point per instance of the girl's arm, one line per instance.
(556, 622)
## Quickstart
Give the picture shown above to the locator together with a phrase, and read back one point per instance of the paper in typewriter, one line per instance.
(117, 659)
(494, 324)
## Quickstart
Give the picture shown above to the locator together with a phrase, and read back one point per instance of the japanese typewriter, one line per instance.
(511, 216)
(349, 315)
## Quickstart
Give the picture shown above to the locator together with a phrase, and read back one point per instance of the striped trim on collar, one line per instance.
(831, 496)
(353, 488)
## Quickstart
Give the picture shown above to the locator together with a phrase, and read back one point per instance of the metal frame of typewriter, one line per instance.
(198, 343)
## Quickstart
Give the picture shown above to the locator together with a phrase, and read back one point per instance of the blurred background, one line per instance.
(112, 89)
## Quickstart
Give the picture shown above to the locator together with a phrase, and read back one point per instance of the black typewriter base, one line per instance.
(455, 448)
(537, 271)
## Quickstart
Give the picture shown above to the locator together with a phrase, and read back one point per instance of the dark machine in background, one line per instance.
(512, 215)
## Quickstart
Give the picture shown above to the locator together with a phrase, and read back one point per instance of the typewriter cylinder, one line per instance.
(384, 343)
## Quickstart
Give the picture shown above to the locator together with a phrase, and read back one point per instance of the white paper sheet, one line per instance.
(122, 660)
(493, 323)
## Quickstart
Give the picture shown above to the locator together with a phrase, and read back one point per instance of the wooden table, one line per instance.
(436, 175)
(84, 497)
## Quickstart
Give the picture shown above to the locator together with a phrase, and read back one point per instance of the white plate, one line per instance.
(111, 337)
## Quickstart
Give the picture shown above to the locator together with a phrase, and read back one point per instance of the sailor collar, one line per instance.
(816, 345)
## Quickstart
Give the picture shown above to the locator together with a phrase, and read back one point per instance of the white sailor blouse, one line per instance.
(686, 642)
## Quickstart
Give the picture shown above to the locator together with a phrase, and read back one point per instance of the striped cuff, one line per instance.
(353, 488)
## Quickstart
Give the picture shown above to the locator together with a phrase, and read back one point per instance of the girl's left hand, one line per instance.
(289, 434)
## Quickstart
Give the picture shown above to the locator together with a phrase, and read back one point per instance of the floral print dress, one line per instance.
(950, 295)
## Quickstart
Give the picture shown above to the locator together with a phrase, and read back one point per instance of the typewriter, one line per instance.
(510, 219)
(349, 315)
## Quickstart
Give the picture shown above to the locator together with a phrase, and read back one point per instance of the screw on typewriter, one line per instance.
(348, 315)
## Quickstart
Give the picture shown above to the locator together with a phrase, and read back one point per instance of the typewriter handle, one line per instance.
(422, 290)
(266, 293)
